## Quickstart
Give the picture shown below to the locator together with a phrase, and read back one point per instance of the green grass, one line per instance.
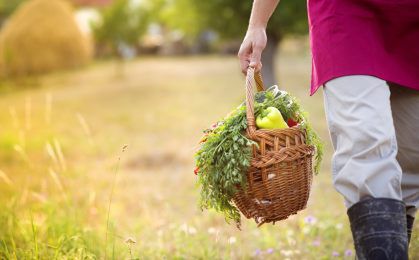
(60, 139)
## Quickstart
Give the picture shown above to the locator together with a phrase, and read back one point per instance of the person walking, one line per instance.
(365, 54)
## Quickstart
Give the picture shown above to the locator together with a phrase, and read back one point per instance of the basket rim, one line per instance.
(281, 130)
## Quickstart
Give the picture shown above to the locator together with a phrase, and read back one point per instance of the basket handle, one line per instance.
(252, 77)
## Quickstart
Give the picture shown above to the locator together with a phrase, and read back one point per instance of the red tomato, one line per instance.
(291, 122)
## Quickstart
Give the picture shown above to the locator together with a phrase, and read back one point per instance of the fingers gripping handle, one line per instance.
(251, 78)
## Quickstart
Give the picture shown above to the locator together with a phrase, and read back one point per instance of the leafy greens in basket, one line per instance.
(225, 152)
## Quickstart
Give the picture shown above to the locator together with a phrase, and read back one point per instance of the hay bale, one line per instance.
(41, 36)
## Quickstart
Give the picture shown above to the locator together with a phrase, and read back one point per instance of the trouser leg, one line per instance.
(405, 107)
(364, 165)
(361, 127)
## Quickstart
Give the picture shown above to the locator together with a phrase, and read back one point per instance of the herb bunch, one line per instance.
(225, 152)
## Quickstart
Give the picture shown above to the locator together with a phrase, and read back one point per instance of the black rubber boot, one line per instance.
(409, 220)
(379, 229)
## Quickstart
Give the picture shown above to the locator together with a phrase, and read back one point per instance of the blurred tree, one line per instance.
(7, 7)
(91, 2)
(178, 14)
(122, 24)
(230, 19)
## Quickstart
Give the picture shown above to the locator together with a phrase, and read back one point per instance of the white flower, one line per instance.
(192, 230)
(306, 230)
(232, 240)
(286, 252)
(184, 227)
(290, 233)
(188, 229)
(212, 230)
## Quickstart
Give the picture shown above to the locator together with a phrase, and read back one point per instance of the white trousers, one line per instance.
(374, 129)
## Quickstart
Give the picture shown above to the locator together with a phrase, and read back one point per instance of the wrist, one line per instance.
(256, 27)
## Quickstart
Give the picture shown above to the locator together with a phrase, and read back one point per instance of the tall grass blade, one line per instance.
(85, 127)
(35, 238)
(28, 113)
(48, 107)
(5, 178)
(60, 155)
(110, 200)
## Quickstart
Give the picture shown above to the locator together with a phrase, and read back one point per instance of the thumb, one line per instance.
(255, 59)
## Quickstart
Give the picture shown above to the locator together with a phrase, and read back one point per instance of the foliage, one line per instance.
(178, 14)
(230, 17)
(226, 152)
(122, 22)
(52, 224)
(7, 7)
(54, 43)
(221, 161)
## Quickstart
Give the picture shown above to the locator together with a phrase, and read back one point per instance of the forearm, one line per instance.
(255, 40)
(261, 12)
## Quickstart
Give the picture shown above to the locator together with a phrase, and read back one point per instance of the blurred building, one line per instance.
(85, 16)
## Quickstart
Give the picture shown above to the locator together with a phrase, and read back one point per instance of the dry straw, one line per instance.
(42, 35)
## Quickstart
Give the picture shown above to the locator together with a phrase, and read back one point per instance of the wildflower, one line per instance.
(291, 241)
(188, 229)
(257, 252)
(232, 240)
(334, 253)
(212, 230)
(290, 233)
(316, 242)
(196, 170)
(310, 220)
(184, 227)
(269, 250)
(348, 252)
(286, 252)
(192, 230)
(306, 230)
(130, 241)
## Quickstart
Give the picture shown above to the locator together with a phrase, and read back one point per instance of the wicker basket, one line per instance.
(280, 175)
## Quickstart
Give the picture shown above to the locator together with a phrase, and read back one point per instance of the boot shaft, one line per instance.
(379, 229)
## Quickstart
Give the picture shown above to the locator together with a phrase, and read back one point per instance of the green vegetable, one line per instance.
(271, 118)
(225, 152)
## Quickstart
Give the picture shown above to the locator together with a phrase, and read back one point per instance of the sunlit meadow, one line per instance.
(98, 164)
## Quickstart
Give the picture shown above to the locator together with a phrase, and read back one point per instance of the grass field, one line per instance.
(64, 164)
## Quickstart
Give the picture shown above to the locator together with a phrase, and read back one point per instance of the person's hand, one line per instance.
(251, 49)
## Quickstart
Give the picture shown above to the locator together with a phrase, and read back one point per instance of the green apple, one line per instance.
(271, 118)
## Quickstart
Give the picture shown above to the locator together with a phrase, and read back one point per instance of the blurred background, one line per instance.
(102, 106)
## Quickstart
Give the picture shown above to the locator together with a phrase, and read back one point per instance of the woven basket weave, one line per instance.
(280, 174)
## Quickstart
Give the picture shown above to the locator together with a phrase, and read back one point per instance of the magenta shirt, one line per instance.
(364, 37)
